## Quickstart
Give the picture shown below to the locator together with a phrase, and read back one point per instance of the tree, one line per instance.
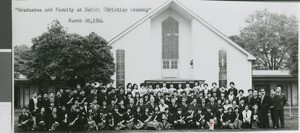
(71, 58)
(271, 38)
(21, 56)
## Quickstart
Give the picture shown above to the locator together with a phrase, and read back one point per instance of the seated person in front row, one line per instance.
(238, 122)
(42, 120)
(219, 114)
(100, 119)
(25, 120)
(208, 116)
(247, 117)
(199, 119)
(179, 122)
(138, 118)
(255, 116)
(229, 118)
(167, 119)
(189, 118)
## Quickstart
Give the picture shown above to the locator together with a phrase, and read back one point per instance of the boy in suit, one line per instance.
(25, 120)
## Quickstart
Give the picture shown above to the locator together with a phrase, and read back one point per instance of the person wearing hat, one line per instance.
(25, 121)
(179, 122)
(198, 119)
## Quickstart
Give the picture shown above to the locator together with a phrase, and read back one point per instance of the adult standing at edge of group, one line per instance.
(272, 97)
(232, 87)
(264, 108)
(279, 102)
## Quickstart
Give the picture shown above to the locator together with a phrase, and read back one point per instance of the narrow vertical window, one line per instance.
(120, 65)
(223, 68)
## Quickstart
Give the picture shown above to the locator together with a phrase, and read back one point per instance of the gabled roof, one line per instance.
(174, 4)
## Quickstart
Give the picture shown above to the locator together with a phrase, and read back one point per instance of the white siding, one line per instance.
(143, 49)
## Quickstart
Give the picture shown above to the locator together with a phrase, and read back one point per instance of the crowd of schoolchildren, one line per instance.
(152, 106)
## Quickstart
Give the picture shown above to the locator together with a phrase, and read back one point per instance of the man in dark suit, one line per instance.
(240, 97)
(279, 102)
(25, 120)
(250, 95)
(42, 120)
(272, 97)
(254, 100)
(264, 108)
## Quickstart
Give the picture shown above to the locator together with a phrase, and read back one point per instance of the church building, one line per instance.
(173, 44)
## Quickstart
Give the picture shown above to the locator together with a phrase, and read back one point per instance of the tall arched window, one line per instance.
(223, 67)
(170, 43)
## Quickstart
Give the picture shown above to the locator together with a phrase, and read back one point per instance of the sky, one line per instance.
(226, 16)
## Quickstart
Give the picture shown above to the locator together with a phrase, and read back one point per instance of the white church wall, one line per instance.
(206, 59)
(136, 45)
(143, 49)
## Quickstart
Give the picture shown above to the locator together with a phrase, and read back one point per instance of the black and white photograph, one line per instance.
(154, 66)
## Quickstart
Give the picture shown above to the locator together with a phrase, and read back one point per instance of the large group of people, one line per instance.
(153, 107)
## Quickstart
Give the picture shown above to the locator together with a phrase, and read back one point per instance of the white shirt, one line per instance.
(162, 107)
(34, 101)
(247, 115)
